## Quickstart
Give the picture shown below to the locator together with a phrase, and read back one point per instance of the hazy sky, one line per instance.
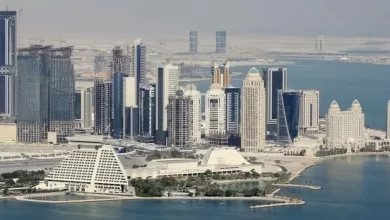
(271, 17)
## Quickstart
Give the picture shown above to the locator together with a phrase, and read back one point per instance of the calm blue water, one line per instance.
(341, 81)
(353, 188)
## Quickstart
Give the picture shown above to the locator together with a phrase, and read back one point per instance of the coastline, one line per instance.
(355, 155)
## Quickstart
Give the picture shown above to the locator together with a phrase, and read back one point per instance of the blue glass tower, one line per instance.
(288, 116)
(220, 42)
(7, 61)
(233, 113)
(117, 122)
(147, 109)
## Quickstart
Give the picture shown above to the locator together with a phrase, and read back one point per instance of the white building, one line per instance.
(253, 129)
(215, 111)
(345, 128)
(83, 106)
(92, 169)
(223, 161)
(195, 111)
(388, 121)
(309, 111)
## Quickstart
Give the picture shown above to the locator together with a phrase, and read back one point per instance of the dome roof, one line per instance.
(355, 103)
(191, 87)
(334, 104)
(253, 70)
(253, 73)
(215, 86)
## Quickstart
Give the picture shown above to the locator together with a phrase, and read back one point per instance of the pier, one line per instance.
(293, 203)
(299, 186)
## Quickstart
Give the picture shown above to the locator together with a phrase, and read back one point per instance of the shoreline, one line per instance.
(354, 155)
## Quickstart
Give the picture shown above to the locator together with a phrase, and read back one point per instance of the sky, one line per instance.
(267, 17)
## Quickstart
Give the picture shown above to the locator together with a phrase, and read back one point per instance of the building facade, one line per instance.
(179, 120)
(103, 106)
(274, 79)
(233, 110)
(61, 93)
(33, 94)
(131, 111)
(220, 42)
(345, 129)
(319, 44)
(100, 64)
(309, 112)
(215, 111)
(118, 106)
(8, 51)
(83, 108)
(388, 121)
(194, 112)
(147, 112)
(288, 116)
(220, 73)
(253, 129)
(138, 65)
(167, 85)
(193, 39)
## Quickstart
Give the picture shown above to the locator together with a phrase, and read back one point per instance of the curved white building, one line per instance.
(194, 112)
(253, 129)
(215, 111)
(345, 128)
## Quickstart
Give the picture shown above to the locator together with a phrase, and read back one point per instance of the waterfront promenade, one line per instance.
(299, 186)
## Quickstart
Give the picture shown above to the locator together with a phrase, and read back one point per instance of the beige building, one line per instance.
(345, 129)
(253, 129)
(194, 112)
(309, 111)
(7, 132)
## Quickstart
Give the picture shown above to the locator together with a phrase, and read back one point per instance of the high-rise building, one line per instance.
(193, 41)
(215, 111)
(131, 118)
(100, 64)
(274, 79)
(8, 43)
(117, 64)
(33, 94)
(221, 74)
(167, 85)
(288, 116)
(319, 44)
(83, 108)
(179, 120)
(147, 112)
(309, 112)
(253, 128)
(118, 106)
(138, 64)
(233, 110)
(220, 42)
(194, 112)
(345, 129)
(61, 93)
(388, 121)
(103, 106)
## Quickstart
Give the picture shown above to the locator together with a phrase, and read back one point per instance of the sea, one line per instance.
(336, 80)
(352, 188)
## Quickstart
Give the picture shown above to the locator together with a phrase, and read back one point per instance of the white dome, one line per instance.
(355, 103)
(215, 86)
(334, 104)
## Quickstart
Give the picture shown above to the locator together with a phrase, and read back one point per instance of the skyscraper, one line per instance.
(83, 108)
(178, 120)
(309, 111)
(138, 64)
(345, 129)
(274, 79)
(103, 106)
(117, 64)
(193, 38)
(319, 44)
(131, 118)
(194, 112)
(253, 128)
(167, 85)
(100, 64)
(221, 74)
(288, 116)
(147, 112)
(61, 93)
(220, 42)
(8, 45)
(215, 111)
(33, 94)
(233, 110)
(118, 106)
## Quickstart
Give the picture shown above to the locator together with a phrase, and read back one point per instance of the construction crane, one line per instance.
(41, 41)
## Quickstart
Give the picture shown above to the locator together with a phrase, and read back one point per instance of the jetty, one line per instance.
(298, 186)
(292, 203)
